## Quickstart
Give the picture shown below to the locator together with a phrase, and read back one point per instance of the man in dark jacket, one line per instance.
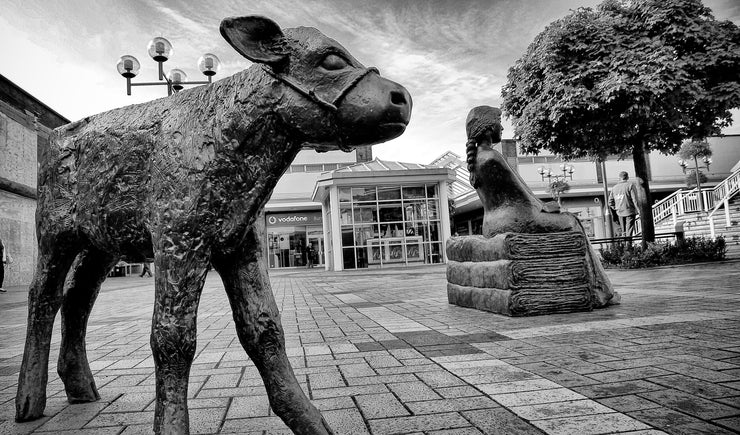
(623, 199)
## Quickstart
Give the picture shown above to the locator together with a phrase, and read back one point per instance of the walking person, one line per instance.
(6, 259)
(145, 270)
(624, 199)
(309, 255)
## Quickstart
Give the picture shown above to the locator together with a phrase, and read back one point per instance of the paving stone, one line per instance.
(695, 386)
(451, 405)
(458, 431)
(571, 408)
(250, 406)
(517, 386)
(440, 378)
(259, 424)
(403, 425)
(413, 391)
(536, 397)
(675, 422)
(454, 392)
(384, 405)
(591, 424)
(627, 403)
(732, 423)
(500, 421)
(346, 421)
(617, 388)
(693, 405)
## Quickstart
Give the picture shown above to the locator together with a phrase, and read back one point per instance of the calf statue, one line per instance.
(184, 179)
(532, 258)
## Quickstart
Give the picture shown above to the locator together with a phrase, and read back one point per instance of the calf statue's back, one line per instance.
(184, 180)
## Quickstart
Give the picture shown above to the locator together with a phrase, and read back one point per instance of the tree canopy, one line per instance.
(626, 78)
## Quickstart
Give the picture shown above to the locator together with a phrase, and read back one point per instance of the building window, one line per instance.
(390, 225)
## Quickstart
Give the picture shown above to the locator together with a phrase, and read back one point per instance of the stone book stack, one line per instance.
(520, 274)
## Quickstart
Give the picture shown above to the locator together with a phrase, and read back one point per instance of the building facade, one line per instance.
(25, 124)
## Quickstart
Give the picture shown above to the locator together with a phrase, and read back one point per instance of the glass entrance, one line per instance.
(315, 236)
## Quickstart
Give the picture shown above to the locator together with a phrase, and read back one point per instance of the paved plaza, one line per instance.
(382, 352)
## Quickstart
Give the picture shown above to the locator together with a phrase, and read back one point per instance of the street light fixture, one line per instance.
(556, 183)
(707, 162)
(568, 171)
(161, 50)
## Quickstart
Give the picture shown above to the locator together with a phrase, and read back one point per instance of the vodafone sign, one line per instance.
(294, 219)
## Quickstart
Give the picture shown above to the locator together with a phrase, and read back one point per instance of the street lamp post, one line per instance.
(556, 182)
(707, 161)
(160, 50)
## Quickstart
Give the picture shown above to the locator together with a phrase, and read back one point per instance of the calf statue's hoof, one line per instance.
(28, 408)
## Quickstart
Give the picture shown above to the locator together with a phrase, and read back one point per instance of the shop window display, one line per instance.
(390, 225)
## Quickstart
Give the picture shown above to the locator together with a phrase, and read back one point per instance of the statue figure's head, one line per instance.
(484, 120)
(483, 124)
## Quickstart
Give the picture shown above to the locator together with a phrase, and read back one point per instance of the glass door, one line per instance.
(315, 236)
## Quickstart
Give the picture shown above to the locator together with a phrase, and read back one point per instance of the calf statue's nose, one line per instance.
(400, 99)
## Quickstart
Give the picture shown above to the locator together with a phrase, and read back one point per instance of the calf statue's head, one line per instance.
(331, 98)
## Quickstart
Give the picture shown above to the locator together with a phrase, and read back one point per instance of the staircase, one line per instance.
(682, 209)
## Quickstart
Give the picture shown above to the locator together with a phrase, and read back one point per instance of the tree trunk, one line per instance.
(646, 203)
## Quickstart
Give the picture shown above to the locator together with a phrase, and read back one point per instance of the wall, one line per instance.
(18, 145)
(18, 231)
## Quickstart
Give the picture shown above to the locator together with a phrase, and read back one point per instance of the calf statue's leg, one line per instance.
(80, 291)
(179, 279)
(56, 254)
(257, 320)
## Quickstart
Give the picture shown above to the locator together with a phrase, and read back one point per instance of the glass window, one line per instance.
(345, 215)
(344, 194)
(365, 213)
(413, 192)
(364, 233)
(388, 193)
(390, 213)
(431, 190)
(360, 194)
(361, 254)
(418, 229)
(434, 231)
(348, 255)
(314, 168)
(414, 211)
(432, 209)
(347, 239)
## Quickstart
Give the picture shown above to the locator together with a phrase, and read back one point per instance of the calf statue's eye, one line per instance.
(333, 62)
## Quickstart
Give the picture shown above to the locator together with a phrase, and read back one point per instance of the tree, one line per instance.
(691, 151)
(627, 78)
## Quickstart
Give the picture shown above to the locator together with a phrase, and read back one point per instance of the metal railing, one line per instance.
(682, 202)
(722, 194)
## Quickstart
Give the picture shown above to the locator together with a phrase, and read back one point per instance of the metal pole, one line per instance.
(606, 212)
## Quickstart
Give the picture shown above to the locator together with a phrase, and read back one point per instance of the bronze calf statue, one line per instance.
(532, 258)
(185, 179)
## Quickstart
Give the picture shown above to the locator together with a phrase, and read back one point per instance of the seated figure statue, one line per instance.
(532, 258)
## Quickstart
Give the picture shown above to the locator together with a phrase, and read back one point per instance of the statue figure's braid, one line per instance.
(471, 152)
(480, 120)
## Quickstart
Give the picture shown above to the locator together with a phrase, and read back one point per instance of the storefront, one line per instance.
(292, 237)
(379, 214)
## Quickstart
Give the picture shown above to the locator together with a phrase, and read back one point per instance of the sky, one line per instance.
(452, 55)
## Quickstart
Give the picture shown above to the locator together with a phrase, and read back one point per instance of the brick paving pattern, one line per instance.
(381, 352)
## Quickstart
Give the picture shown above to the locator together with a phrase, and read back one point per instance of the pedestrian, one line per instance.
(624, 199)
(145, 270)
(6, 259)
(309, 255)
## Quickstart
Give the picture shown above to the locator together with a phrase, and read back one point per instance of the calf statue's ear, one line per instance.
(259, 39)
